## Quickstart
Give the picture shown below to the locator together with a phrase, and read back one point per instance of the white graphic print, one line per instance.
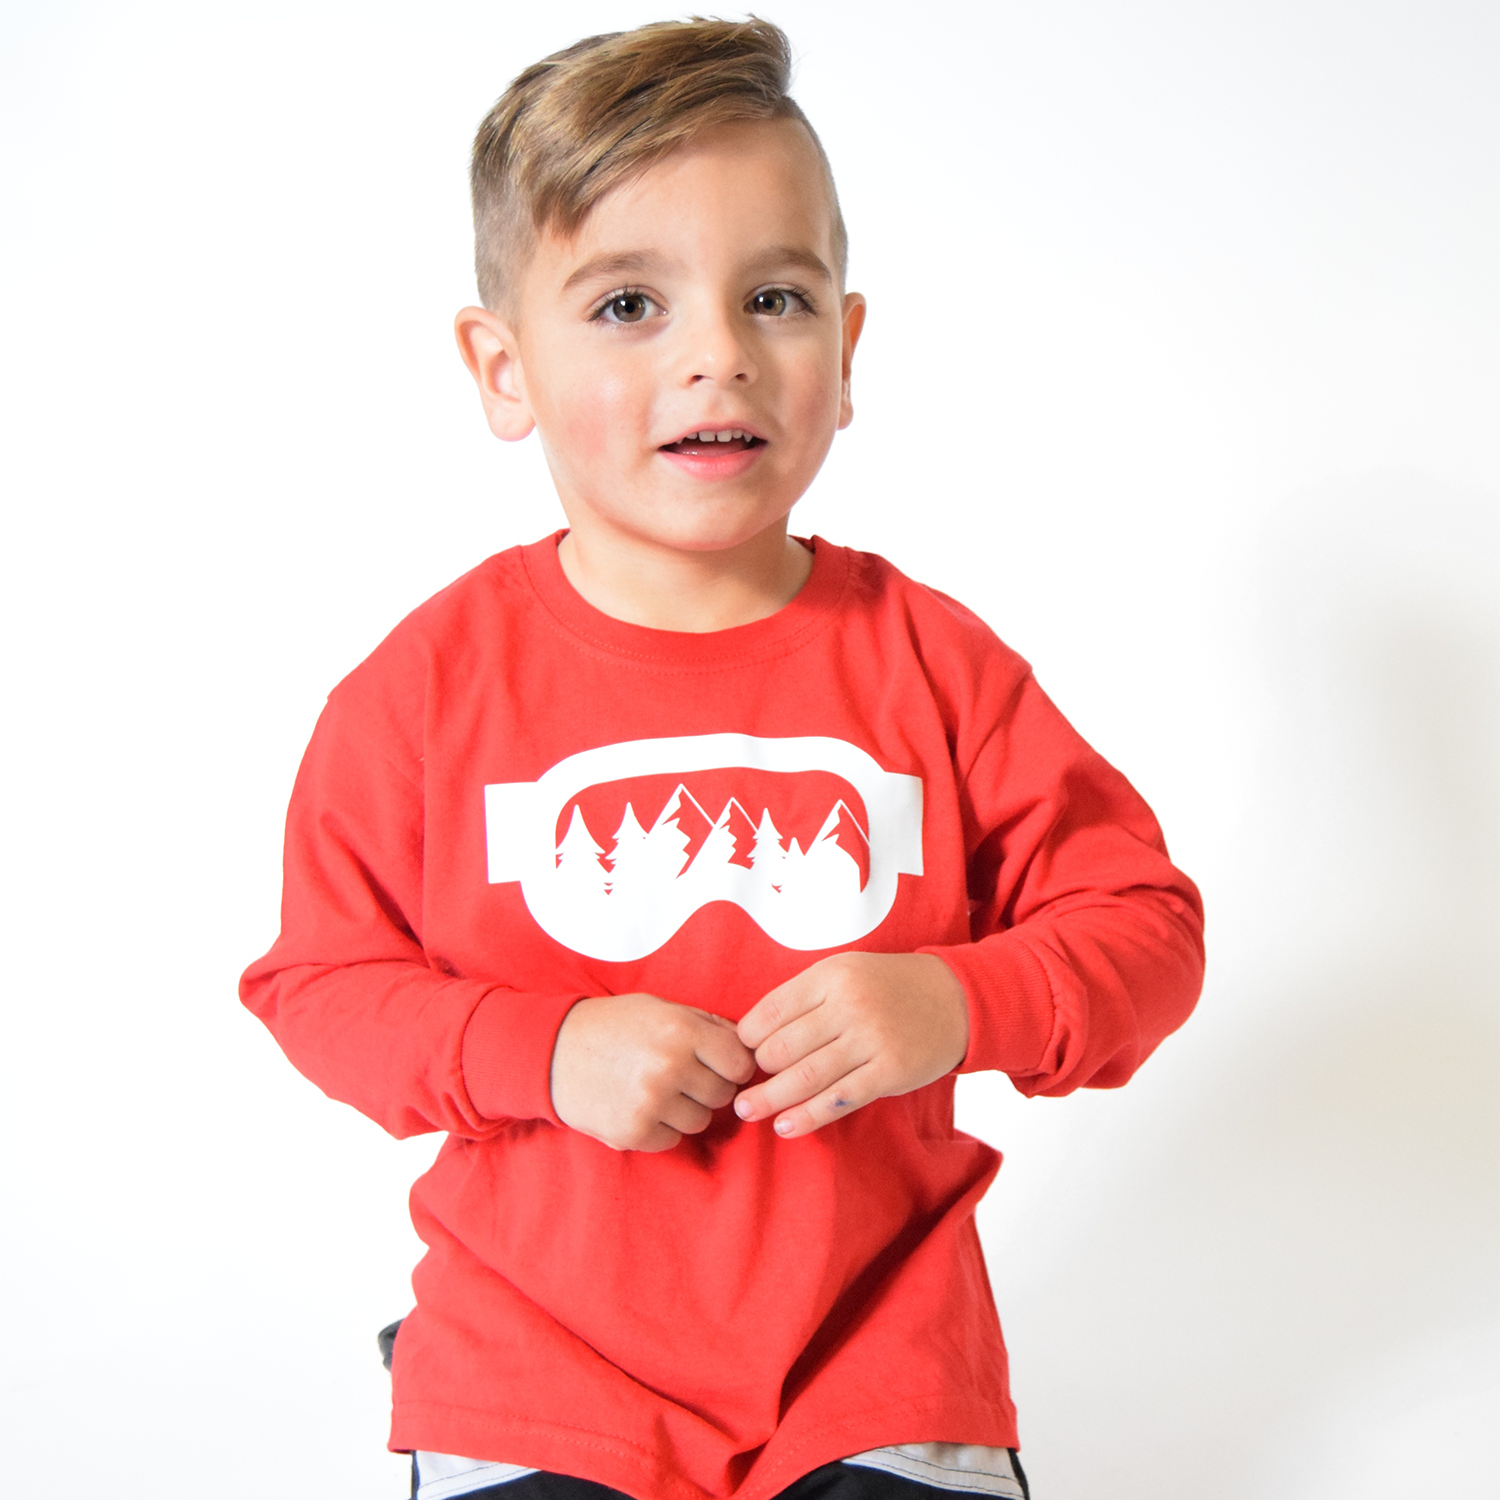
(624, 903)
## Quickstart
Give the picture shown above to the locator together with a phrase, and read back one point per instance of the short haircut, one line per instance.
(599, 113)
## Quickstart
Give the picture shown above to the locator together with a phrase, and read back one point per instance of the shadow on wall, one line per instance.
(1380, 634)
(1292, 1289)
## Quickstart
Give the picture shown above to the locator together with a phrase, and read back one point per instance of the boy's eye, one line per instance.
(777, 302)
(625, 307)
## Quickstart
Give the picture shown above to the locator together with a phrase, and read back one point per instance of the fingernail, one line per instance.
(784, 1127)
(742, 1107)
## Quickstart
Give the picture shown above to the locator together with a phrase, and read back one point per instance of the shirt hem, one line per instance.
(644, 1471)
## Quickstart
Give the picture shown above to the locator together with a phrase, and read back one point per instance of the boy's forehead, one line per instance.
(754, 195)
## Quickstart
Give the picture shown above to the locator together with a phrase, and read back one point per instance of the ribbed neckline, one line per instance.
(805, 615)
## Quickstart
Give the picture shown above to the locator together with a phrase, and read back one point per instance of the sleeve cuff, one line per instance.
(1011, 1009)
(507, 1054)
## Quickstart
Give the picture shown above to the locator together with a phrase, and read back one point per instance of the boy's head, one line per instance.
(591, 117)
(661, 259)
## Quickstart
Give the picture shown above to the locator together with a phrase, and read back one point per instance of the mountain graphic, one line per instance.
(685, 813)
(683, 838)
(850, 837)
(741, 828)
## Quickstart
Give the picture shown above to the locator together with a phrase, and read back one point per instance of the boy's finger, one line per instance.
(710, 1089)
(709, 1015)
(798, 1038)
(804, 1080)
(659, 1138)
(718, 1048)
(774, 1009)
(686, 1116)
(847, 1095)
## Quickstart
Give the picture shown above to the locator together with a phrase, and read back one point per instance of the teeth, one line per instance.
(718, 435)
(725, 437)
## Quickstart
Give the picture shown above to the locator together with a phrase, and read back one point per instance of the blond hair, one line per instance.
(589, 118)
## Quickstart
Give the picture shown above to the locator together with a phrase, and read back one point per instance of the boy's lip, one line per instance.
(724, 461)
(705, 455)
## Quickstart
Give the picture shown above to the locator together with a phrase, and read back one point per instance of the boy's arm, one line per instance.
(348, 990)
(1088, 947)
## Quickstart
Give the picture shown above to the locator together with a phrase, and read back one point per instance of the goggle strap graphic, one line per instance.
(514, 821)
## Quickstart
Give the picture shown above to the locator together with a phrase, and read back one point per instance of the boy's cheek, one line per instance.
(584, 403)
(583, 425)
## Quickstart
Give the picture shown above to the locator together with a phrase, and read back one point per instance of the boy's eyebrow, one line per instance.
(791, 255)
(617, 263)
(637, 262)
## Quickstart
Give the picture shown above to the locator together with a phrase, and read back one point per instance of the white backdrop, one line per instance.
(1181, 369)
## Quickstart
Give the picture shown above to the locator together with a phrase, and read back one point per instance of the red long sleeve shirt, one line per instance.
(516, 802)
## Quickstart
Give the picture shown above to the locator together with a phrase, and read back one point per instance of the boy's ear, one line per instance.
(854, 323)
(490, 350)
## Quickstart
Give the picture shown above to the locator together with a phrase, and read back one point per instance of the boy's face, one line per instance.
(702, 297)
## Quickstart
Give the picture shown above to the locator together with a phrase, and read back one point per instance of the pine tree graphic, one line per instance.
(627, 858)
(768, 857)
(578, 860)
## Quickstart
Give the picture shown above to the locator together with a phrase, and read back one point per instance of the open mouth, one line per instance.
(707, 444)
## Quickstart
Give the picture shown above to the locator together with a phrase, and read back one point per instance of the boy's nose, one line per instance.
(715, 350)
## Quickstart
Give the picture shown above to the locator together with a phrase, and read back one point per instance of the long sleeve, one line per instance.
(348, 990)
(1088, 945)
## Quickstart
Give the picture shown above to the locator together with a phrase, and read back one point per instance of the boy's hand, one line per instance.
(639, 1073)
(852, 1028)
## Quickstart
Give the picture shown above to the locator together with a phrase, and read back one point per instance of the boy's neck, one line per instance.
(668, 588)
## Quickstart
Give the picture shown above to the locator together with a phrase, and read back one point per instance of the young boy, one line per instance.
(673, 866)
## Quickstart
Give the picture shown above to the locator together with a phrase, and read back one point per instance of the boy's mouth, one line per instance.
(712, 443)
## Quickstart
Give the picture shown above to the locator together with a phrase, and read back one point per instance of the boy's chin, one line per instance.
(710, 528)
(704, 541)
